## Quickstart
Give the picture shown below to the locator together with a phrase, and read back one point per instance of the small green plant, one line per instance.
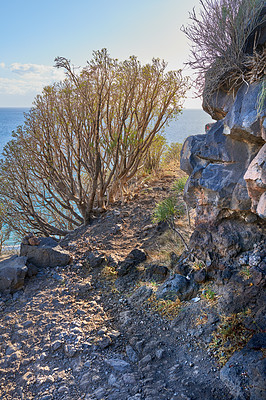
(167, 211)
(198, 265)
(209, 294)
(179, 185)
(245, 273)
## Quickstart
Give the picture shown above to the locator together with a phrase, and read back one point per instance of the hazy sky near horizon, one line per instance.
(34, 32)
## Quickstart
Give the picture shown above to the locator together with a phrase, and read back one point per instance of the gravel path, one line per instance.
(70, 335)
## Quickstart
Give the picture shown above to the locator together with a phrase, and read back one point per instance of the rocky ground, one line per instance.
(84, 332)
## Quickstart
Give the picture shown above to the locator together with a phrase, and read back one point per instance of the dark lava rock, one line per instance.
(32, 269)
(47, 254)
(95, 260)
(157, 272)
(177, 286)
(12, 274)
(200, 276)
(134, 258)
(140, 295)
(245, 371)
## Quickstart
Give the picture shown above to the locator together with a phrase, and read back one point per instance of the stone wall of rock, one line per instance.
(226, 166)
(227, 175)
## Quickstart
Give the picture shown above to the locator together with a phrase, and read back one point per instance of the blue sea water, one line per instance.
(190, 122)
(10, 118)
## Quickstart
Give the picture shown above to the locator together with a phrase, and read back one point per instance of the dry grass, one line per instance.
(109, 273)
(230, 78)
(166, 244)
(166, 308)
(218, 34)
(232, 335)
(202, 319)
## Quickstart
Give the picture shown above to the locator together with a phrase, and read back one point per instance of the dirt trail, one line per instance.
(72, 334)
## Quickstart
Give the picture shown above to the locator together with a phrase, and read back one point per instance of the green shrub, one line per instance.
(179, 185)
(4, 230)
(168, 209)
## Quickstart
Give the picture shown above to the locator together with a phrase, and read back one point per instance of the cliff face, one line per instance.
(227, 176)
(226, 166)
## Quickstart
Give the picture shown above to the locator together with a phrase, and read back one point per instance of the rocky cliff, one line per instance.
(227, 187)
(227, 176)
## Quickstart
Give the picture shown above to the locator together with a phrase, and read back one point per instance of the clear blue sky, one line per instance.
(34, 32)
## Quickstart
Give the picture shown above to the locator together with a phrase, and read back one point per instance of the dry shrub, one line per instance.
(219, 35)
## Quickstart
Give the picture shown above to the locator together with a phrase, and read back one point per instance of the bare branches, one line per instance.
(84, 138)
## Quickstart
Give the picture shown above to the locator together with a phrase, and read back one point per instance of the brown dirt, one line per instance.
(127, 226)
(72, 334)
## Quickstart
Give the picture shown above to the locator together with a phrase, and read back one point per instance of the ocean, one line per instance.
(190, 122)
(10, 118)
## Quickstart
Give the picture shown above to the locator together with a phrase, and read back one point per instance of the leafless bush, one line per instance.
(218, 35)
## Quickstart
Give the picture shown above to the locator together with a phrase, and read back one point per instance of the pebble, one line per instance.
(132, 355)
(63, 389)
(118, 365)
(129, 379)
(87, 364)
(146, 360)
(254, 260)
(56, 345)
(99, 393)
(27, 324)
(112, 381)
(159, 354)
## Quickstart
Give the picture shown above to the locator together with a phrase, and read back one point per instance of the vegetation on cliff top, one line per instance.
(219, 34)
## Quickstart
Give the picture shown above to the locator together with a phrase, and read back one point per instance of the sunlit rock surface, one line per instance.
(227, 166)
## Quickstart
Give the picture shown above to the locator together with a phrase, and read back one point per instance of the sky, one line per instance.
(34, 32)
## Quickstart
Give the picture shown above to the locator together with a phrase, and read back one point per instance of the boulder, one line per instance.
(255, 178)
(243, 122)
(177, 286)
(48, 253)
(94, 260)
(200, 276)
(140, 295)
(134, 258)
(226, 166)
(245, 371)
(12, 274)
(217, 104)
(156, 272)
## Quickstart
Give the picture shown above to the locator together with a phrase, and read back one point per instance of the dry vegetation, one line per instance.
(218, 35)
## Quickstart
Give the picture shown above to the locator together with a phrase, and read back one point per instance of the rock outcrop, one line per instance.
(227, 187)
(12, 274)
(44, 252)
(226, 166)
